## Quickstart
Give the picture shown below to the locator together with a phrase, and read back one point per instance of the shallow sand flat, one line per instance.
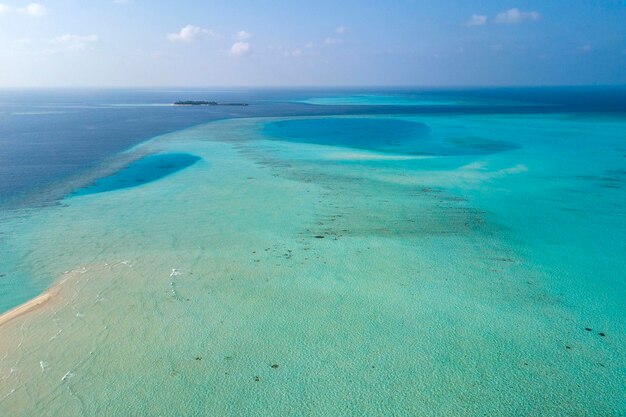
(26, 307)
(371, 156)
(257, 282)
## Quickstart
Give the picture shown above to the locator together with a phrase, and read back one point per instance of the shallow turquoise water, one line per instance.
(425, 99)
(387, 100)
(298, 266)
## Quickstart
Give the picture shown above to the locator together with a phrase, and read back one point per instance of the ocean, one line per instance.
(319, 252)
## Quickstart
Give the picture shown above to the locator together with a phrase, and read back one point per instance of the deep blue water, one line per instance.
(142, 171)
(48, 136)
(380, 134)
(364, 133)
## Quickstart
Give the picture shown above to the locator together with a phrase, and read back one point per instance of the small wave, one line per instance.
(68, 375)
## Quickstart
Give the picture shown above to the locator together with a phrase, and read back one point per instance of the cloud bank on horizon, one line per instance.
(242, 42)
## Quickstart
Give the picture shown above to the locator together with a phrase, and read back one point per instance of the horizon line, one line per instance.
(309, 87)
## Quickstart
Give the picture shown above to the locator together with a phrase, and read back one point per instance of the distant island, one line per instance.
(206, 103)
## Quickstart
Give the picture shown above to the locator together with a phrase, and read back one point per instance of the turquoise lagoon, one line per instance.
(382, 265)
(386, 100)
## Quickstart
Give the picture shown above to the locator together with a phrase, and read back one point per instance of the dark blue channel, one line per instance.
(380, 134)
(142, 171)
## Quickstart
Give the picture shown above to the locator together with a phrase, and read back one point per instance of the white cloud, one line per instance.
(477, 20)
(22, 41)
(33, 9)
(69, 42)
(513, 16)
(68, 38)
(190, 33)
(332, 40)
(240, 48)
(294, 53)
(242, 35)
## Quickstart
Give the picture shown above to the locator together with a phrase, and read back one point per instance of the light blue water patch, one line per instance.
(383, 134)
(385, 100)
(142, 171)
(439, 99)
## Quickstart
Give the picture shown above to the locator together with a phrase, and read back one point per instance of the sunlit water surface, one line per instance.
(416, 264)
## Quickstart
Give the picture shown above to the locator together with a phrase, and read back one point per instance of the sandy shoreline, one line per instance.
(29, 306)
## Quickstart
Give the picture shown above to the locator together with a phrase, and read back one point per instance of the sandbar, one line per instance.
(28, 306)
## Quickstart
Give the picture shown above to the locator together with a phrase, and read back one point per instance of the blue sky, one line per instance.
(311, 43)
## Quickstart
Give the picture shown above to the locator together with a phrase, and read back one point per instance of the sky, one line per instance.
(271, 43)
